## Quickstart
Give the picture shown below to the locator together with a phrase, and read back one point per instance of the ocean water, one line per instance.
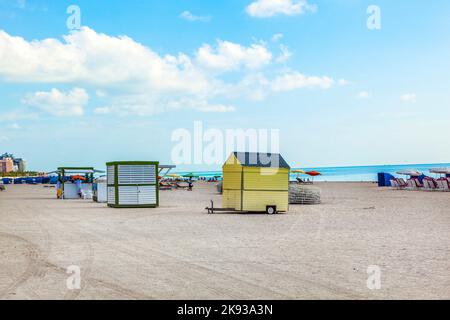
(357, 173)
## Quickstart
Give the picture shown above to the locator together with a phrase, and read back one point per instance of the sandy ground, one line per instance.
(180, 252)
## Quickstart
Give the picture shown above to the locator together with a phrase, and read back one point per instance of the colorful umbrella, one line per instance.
(190, 175)
(298, 171)
(78, 178)
(313, 173)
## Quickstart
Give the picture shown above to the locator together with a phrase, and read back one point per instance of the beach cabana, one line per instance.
(133, 184)
(256, 182)
(74, 181)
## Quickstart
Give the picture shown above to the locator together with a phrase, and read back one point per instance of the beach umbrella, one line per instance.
(440, 170)
(313, 173)
(190, 175)
(173, 175)
(410, 172)
(299, 171)
(78, 178)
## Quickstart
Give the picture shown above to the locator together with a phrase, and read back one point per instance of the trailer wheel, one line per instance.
(271, 210)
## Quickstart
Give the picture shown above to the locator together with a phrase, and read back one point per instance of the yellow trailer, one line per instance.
(256, 182)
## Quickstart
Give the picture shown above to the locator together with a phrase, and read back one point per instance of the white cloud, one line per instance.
(216, 108)
(202, 106)
(364, 95)
(285, 54)
(130, 78)
(97, 59)
(58, 103)
(143, 106)
(343, 82)
(277, 37)
(257, 86)
(186, 15)
(253, 86)
(295, 80)
(409, 98)
(230, 56)
(270, 8)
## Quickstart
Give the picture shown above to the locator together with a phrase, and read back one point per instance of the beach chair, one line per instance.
(419, 184)
(395, 184)
(402, 183)
(185, 185)
(430, 184)
(443, 184)
(411, 184)
(165, 186)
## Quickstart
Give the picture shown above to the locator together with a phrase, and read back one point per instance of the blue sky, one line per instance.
(339, 93)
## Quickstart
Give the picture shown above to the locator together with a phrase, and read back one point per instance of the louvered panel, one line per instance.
(111, 174)
(111, 195)
(128, 196)
(147, 195)
(135, 174)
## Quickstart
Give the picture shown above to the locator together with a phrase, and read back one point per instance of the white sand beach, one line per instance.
(178, 251)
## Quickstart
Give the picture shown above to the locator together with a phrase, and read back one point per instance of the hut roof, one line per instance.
(263, 160)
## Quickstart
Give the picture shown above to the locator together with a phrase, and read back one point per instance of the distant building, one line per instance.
(18, 164)
(6, 165)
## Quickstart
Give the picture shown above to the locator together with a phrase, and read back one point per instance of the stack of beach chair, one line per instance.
(306, 195)
(427, 184)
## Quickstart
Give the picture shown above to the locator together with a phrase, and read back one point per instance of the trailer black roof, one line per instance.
(263, 160)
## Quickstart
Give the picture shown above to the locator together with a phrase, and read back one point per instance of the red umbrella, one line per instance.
(78, 178)
(313, 173)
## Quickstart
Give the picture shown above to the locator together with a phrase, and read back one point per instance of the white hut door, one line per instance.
(147, 195)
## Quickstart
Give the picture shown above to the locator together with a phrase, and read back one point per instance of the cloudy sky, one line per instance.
(116, 88)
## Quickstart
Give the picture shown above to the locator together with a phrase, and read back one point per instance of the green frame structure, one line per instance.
(88, 172)
(116, 184)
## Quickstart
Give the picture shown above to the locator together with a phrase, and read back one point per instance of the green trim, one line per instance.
(132, 163)
(132, 206)
(116, 184)
(157, 183)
